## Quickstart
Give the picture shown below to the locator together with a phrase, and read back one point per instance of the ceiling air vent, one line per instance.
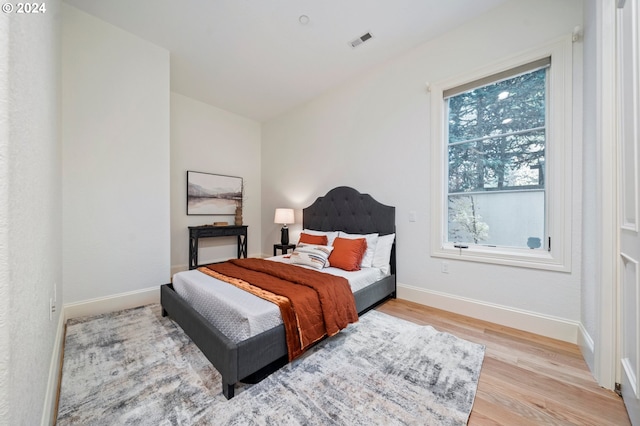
(357, 42)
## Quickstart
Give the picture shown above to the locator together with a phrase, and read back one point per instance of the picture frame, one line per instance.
(212, 194)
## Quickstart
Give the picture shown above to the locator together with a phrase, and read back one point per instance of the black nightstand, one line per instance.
(283, 247)
(205, 231)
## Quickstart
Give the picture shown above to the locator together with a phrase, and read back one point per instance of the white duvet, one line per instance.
(240, 315)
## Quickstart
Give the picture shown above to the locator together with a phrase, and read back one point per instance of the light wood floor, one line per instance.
(526, 379)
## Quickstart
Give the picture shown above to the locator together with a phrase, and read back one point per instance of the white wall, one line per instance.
(590, 271)
(30, 213)
(599, 316)
(115, 101)
(210, 140)
(372, 133)
(5, 275)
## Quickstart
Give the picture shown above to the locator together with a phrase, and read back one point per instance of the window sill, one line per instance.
(523, 258)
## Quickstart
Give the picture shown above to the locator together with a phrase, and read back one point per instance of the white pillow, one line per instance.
(372, 240)
(311, 255)
(331, 235)
(382, 256)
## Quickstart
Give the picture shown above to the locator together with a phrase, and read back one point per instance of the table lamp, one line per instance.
(284, 216)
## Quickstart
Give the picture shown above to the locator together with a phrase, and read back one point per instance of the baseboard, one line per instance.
(587, 347)
(545, 325)
(49, 409)
(80, 309)
(116, 302)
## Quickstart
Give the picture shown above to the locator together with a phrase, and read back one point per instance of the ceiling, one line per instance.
(256, 59)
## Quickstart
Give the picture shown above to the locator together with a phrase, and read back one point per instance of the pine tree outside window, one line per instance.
(496, 162)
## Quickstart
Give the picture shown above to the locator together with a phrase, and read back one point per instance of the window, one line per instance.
(496, 138)
(502, 145)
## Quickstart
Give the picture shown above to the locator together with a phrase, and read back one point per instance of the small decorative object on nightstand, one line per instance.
(284, 217)
(238, 216)
(284, 247)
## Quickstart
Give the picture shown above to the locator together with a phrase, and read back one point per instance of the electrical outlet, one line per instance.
(412, 216)
(52, 308)
(444, 267)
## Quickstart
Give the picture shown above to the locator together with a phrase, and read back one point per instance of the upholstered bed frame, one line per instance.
(342, 209)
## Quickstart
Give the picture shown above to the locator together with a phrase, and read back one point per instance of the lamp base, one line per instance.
(284, 235)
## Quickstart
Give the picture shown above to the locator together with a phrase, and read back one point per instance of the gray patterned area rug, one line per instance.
(136, 367)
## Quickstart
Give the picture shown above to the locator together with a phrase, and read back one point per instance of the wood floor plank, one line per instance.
(543, 406)
(526, 379)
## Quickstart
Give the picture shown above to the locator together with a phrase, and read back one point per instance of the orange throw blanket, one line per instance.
(312, 304)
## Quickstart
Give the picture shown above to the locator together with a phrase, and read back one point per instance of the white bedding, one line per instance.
(240, 315)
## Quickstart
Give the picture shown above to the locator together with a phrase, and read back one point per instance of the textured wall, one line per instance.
(4, 218)
(30, 212)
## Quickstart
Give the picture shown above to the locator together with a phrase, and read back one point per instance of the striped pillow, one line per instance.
(312, 255)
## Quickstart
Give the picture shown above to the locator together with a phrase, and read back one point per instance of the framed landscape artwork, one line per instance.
(210, 194)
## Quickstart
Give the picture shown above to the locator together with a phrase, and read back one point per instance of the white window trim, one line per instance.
(559, 166)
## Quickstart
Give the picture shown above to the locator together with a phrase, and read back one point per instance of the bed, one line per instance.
(341, 209)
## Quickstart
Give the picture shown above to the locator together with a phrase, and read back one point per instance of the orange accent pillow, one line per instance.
(347, 254)
(319, 240)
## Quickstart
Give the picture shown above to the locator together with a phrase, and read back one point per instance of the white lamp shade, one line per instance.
(284, 216)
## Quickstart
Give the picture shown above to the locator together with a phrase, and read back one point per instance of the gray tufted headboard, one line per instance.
(345, 209)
